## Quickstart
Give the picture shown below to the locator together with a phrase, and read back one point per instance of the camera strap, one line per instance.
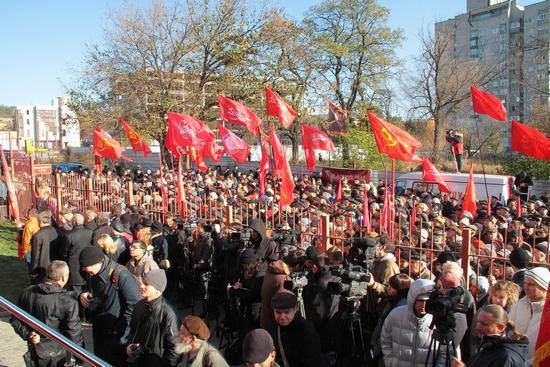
(281, 348)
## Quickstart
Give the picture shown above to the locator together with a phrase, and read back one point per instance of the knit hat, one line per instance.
(196, 327)
(520, 258)
(257, 346)
(90, 255)
(156, 278)
(157, 227)
(540, 275)
(445, 256)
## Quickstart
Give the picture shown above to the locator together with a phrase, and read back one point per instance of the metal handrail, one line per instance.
(47, 331)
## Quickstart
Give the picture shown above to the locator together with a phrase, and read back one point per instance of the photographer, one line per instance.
(320, 305)
(457, 142)
(154, 325)
(384, 265)
(274, 278)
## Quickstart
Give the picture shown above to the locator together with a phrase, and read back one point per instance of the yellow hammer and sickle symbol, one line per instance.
(133, 136)
(100, 146)
(390, 141)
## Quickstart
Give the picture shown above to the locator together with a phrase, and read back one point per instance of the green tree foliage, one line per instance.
(6, 111)
(538, 168)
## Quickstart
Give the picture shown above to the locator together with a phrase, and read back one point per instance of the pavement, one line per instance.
(12, 347)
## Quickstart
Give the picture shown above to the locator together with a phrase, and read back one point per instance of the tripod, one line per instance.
(301, 308)
(351, 325)
(440, 339)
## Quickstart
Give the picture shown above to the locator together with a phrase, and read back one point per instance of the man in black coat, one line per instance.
(43, 244)
(75, 241)
(110, 299)
(154, 325)
(296, 340)
(54, 306)
(160, 245)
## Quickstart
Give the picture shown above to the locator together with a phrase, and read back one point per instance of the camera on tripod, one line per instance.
(298, 280)
(443, 306)
(362, 251)
(354, 284)
(284, 236)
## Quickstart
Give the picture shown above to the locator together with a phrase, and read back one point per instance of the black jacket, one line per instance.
(91, 225)
(519, 278)
(116, 291)
(266, 249)
(155, 326)
(301, 344)
(500, 352)
(43, 244)
(202, 254)
(75, 241)
(320, 304)
(57, 308)
(160, 248)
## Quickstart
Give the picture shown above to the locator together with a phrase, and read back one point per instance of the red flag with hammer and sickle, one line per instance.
(138, 145)
(393, 141)
(105, 146)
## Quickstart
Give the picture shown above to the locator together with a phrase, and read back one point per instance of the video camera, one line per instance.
(284, 236)
(363, 250)
(298, 280)
(354, 282)
(443, 306)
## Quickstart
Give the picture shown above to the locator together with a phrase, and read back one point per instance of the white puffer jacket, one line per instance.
(405, 337)
(526, 316)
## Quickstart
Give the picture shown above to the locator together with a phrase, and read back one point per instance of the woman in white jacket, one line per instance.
(406, 335)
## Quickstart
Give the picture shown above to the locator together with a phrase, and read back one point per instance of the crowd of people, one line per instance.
(158, 288)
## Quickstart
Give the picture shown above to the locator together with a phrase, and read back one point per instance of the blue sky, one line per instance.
(42, 41)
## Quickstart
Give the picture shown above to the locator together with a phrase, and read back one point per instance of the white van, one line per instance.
(499, 186)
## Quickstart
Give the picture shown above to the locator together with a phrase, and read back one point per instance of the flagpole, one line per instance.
(482, 164)
(392, 217)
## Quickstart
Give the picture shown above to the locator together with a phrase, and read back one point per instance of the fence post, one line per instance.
(466, 244)
(58, 191)
(89, 192)
(229, 215)
(324, 231)
(130, 190)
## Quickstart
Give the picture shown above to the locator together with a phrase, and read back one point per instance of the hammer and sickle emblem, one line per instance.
(390, 141)
(100, 146)
(133, 136)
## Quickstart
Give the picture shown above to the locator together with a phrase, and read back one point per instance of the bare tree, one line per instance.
(439, 88)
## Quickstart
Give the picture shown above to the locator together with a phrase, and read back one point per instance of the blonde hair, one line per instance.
(144, 234)
(501, 317)
(106, 243)
(511, 289)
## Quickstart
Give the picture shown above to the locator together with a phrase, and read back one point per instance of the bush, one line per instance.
(539, 169)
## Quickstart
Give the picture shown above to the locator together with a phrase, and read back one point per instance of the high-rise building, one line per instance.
(508, 37)
(52, 126)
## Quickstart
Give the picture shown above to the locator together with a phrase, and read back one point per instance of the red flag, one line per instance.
(138, 145)
(276, 106)
(235, 147)
(469, 200)
(313, 138)
(339, 191)
(105, 146)
(487, 104)
(431, 174)
(264, 166)
(393, 141)
(212, 150)
(530, 142)
(279, 155)
(197, 156)
(236, 113)
(287, 186)
(282, 170)
(366, 219)
(518, 206)
(182, 132)
(542, 353)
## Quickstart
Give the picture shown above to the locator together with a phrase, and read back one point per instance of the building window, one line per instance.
(482, 42)
(473, 53)
(495, 84)
(515, 25)
(503, 28)
(503, 92)
(541, 16)
(473, 43)
(473, 34)
(529, 20)
(28, 122)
